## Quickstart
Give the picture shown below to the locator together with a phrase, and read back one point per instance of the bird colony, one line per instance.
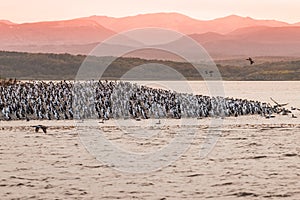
(104, 100)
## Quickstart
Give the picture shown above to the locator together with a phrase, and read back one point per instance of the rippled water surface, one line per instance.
(254, 157)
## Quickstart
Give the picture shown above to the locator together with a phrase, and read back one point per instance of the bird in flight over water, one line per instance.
(250, 60)
(38, 127)
(277, 104)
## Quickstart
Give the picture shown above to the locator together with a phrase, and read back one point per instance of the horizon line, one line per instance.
(151, 13)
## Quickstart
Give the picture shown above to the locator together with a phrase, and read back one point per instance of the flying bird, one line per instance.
(277, 104)
(38, 127)
(250, 60)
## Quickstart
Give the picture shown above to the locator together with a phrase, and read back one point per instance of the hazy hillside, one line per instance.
(67, 32)
(182, 23)
(7, 22)
(254, 41)
(65, 66)
(222, 38)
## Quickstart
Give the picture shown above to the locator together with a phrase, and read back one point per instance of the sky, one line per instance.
(49, 10)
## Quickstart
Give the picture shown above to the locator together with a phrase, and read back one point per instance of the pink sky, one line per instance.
(44, 10)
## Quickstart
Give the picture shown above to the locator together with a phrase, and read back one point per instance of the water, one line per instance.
(281, 91)
(254, 158)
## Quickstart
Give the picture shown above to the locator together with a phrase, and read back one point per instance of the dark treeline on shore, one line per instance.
(42, 66)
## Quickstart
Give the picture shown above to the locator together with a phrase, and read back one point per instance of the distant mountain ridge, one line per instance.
(6, 22)
(182, 23)
(77, 31)
(228, 36)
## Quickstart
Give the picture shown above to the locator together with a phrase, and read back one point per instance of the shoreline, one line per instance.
(241, 121)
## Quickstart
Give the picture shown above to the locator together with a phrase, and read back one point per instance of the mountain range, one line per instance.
(223, 37)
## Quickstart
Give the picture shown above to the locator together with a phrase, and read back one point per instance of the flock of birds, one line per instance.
(111, 99)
